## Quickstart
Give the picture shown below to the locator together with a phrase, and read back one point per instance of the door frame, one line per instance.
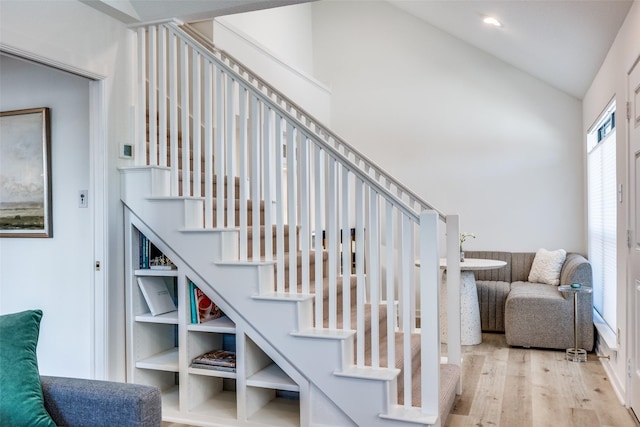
(633, 330)
(98, 209)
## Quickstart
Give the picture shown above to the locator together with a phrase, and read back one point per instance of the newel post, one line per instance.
(453, 290)
(429, 303)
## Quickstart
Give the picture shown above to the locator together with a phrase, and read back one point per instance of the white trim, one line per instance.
(98, 181)
(605, 332)
(617, 386)
(22, 54)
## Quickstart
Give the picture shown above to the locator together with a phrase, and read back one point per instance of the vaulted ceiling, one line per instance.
(561, 42)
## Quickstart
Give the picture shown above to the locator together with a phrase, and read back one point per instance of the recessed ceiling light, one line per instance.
(490, 20)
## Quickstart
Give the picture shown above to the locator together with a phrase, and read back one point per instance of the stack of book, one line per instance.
(218, 360)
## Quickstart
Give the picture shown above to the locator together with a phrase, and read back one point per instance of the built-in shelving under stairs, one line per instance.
(323, 357)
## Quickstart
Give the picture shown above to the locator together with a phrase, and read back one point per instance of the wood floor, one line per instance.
(517, 387)
(505, 386)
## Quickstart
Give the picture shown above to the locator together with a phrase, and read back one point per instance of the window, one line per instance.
(601, 159)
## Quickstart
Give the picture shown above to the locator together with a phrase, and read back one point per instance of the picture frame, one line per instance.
(25, 173)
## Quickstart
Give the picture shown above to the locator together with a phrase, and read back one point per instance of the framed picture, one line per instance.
(25, 173)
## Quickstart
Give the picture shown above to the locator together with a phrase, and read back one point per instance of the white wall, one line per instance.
(469, 133)
(285, 31)
(54, 274)
(74, 36)
(610, 82)
(277, 45)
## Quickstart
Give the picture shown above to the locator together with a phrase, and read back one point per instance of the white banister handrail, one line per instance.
(199, 39)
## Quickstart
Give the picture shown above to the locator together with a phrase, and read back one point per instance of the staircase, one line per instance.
(288, 223)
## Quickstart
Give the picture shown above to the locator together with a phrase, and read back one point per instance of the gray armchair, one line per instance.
(81, 402)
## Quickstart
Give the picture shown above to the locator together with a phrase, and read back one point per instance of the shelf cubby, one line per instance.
(161, 348)
(273, 407)
(212, 397)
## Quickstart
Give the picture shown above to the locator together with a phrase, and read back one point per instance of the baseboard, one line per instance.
(618, 388)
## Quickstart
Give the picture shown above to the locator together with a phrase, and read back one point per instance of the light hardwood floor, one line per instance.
(517, 387)
(509, 386)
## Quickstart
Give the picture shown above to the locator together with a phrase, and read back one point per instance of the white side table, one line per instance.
(575, 354)
(470, 328)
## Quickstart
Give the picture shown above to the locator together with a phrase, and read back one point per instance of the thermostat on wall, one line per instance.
(126, 151)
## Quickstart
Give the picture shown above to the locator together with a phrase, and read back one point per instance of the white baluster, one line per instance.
(318, 247)
(197, 124)
(186, 138)
(142, 97)
(360, 279)
(292, 202)
(173, 114)
(332, 240)
(267, 147)
(208, 146)
(346, 251)
(153, 106)
(374, 276)
(244, 239)
(219, 150)
(390, 282)
(305, 230)
(255, 176)
(280, 206)
(230, 151)
(162, 95)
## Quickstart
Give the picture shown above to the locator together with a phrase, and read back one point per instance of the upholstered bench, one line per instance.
(534, 314)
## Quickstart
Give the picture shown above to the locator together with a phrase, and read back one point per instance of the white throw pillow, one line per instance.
(546, 266)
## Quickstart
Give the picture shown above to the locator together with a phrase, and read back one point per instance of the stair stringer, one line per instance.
(238, 283)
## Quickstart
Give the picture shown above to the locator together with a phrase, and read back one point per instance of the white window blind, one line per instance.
(602, 217)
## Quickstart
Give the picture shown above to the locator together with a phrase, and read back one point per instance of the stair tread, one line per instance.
(369, 372)
(283, 296)
(324, 333)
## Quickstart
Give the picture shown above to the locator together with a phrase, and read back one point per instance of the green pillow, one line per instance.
(21, 400)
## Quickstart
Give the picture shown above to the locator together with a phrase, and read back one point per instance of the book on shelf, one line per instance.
(151, 257)
(192, 299)
(156, 295)
(218, 358)
(213, 367)
(202, 308)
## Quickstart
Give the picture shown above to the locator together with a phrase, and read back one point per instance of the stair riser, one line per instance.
(236, 190)
(237, 217)
(274, 239)
(312, 269)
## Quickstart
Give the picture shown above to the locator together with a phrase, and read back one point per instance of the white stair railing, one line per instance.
(299, 196)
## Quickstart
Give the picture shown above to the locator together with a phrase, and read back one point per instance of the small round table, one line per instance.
(575, 354)
(470, 327)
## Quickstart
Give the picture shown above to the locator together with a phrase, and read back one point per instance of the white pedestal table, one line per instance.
(470, 328)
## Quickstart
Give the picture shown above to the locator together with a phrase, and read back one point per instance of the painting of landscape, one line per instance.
(25, 184)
